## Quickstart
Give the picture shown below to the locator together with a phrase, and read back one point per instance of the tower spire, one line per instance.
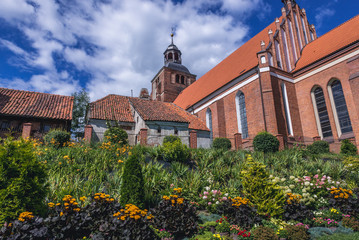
(172, 34)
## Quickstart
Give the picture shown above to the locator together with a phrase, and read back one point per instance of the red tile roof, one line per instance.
(111, 107)
(339, 37)
(239, 62)
(115, 107)
(35, 104)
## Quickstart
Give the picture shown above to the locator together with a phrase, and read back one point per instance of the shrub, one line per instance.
(57, 138)
(352, 163)
(171, 139)
(132, 190)
(351, 222)
(222, 143)
(175, 151)
(116, 135)
(264, 233)
(266, 195)
(319, 147)
(176, 215)
(239, 211)
(22, 180)
(347, 147)
(265, 142)
(295, 210)
(297, 233)
(345, 200)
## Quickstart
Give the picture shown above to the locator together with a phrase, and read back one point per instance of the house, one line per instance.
(285, 80)
(145, 121)
(32, 114)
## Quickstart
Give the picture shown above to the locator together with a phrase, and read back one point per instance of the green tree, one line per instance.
(81, 101)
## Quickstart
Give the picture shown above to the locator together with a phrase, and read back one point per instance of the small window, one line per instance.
(177, 78)
(47, 127)
(176, 56)
(5, 125)
(158, 129)
(321, 112)
(182, 79)
(137, 119)
(175, 130)
(170, 56)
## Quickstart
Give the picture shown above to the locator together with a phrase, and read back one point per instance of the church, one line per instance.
(285, 80)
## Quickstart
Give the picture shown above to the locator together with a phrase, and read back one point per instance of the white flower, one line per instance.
(304, 191)
(311, 184)
(204, 197)
(226, 194)
(207, 188)
(217, 202)
(283, 179)
(291, 186)
(306, 183)
(315, 196)
(291, 177)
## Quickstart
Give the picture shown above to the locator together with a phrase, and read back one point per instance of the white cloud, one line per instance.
(120, 43)
(322, 14)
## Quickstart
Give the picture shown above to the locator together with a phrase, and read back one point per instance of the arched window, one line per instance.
(287, 109)
(241, 114)
(270, 59)
(159, 129)
(209, 121)
(176, 56)
(170, 56)
(182, 79)
(175, 130)
(340, 110)
(177, 78)
(321, 112)
(291, 35)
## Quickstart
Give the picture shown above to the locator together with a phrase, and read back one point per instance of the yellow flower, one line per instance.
(120, 161)
(82, 199)
(51, 204)
(61, 213)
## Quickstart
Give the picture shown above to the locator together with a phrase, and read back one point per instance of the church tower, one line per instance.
(173, 76)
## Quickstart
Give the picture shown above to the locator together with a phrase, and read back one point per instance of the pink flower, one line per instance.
(205, 193)
(224, 198)
(204, 197)
(316, 176)
(172, 185)
(214, 192)
(200, 195)
(209, 203)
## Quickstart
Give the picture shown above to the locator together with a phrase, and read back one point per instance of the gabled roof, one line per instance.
(239, 62)
(34, 104)
(111, 107)
(341, 36)
(115, 107)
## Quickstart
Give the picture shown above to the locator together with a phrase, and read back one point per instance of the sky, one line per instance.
(115, 46)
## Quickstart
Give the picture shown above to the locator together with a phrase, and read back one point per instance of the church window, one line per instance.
(209, 121)
(5, 125)
(263, 59)
(176, 56)
(304, 31)
(286, 51)
(175, 130)
(321, 113)
(170, 56)
(177, 78)
(340, 110)
(311, 35)
(182, 79)
(297, 29)
(159, 129)
(291, 34)
(270, 59)
(278, 53)
(241, 115)
(287, 109)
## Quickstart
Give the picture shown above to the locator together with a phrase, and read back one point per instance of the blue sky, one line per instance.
(60, 46)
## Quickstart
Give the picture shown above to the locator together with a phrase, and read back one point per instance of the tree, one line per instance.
(81, 101)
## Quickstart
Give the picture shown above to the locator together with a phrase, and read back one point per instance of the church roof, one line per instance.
(334, 40)
(35, 104)
(116, 107)
(239, 62)
(177, 67)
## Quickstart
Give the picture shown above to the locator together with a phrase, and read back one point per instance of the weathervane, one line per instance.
(172, 33)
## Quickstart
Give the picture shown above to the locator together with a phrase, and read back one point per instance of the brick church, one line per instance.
(284, 80)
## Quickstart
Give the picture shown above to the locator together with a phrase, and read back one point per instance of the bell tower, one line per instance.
(173, 77)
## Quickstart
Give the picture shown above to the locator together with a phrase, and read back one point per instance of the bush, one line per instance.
(175, 151)
(265, 142)
(297, 233)
(57, 138)
(347, 147)
(132, 186)
(319, 147)
(176, 215)
(171, 139)
(222, 143)
(116, 135)
(266, 195)
(264, 233)
(295, 210)
(239, 211)
(22, 180)
(351, 222)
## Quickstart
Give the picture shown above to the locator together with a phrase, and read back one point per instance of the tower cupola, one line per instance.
(172, 53)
